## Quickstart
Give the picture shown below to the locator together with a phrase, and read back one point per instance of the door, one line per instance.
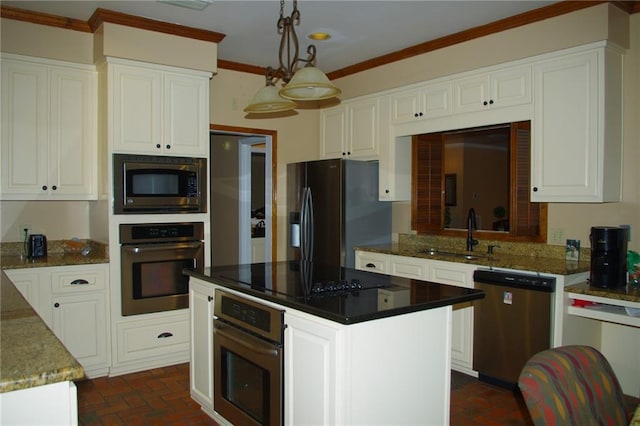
(80, 323)
(324, 178)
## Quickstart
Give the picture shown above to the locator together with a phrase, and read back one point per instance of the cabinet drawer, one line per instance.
(408, 268)
(372, 263)
(141, 339)
(77, 279)
(457, 275)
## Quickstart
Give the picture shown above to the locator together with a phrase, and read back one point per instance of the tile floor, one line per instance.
(161, 397)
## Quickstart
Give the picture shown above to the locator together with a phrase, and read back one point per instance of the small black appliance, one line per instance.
(37, 246)
(608, 256)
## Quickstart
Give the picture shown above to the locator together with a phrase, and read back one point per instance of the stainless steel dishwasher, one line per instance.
(511, 323)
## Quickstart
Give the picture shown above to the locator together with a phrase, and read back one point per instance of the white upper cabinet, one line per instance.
(429, 101)
(350, 130)
(577, 142)
(158, 109)
(498, 89)
(49, 130)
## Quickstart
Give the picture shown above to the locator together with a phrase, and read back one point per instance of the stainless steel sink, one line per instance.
(468, 256)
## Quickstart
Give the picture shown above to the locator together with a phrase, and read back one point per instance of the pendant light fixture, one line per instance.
(301, 84)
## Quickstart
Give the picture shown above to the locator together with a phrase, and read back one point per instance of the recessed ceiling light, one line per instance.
(190, 4)
(319, 35)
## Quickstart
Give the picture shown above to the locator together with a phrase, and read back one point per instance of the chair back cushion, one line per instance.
(572, 385)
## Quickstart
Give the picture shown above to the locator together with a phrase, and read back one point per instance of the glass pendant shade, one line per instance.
(267, 100)
(309, 84)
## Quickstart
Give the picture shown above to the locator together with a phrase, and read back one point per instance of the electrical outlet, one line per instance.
(25, 230)
(556, 235)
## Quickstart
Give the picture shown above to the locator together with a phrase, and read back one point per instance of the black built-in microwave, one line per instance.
(159, 184)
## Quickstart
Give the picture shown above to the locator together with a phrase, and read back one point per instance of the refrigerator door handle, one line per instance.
(306, 225)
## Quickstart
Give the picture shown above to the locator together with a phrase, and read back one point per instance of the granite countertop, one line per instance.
(628, 293)
(12, 257)
(533, 263)
(296, 285)
(30, 354)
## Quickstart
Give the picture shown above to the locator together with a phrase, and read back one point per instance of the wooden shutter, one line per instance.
(427, 199)
(528, 214)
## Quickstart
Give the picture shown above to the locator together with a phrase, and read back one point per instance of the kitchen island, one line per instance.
(359, 348)
(36, 370)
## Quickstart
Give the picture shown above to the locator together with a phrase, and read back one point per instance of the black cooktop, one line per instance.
(340, 294)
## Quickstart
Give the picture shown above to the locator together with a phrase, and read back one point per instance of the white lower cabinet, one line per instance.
(460, 275)
(79, 321)
(201, 296)
(52, 404)
(315, 344)
(27, 281)
(399, 266)
(72, 301)
(143, 340)
(451, 273)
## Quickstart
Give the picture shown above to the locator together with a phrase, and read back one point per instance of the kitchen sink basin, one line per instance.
(468, 256)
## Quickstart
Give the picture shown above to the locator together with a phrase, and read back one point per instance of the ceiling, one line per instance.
(361, 30)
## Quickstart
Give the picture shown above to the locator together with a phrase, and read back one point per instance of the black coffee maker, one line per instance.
(608, 256)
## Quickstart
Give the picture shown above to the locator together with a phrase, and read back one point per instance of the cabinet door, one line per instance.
(510, 87)
(436, 101)
(80, 322)
(569, 125)
(405, 106)
(137, 105)
(311, 371)
(186, 115)
(470, 94)
(333, 132)
(73, 140)
(363, 128)
(27, 281)
(25, 135)
(460, 275)
(201, 313)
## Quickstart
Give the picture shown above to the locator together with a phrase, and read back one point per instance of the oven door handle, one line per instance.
(244, 339)
(162, 247)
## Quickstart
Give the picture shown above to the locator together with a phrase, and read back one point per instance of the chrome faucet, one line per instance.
(471, 225)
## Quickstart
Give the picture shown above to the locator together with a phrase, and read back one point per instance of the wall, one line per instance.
(581, 27)
(224, 188)
(298, 134)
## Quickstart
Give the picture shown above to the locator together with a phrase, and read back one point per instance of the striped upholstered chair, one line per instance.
(572, 385)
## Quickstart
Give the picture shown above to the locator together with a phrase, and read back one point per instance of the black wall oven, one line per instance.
(152, 258)
(248, 361)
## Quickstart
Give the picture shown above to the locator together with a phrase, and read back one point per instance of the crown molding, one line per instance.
(44, 19)
(511, 22)
(103, 15)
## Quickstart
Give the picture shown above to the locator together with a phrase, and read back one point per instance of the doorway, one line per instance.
(237, 185)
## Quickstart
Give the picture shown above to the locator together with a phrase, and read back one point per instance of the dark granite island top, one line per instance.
(30, 354)
(343, 295)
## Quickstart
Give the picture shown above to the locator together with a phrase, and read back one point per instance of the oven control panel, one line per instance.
(249, 315)
(161, 232)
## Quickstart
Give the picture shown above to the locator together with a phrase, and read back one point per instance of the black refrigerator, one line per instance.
(333, 207)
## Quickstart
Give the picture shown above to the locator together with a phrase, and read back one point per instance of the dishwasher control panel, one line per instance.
(505, 278)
